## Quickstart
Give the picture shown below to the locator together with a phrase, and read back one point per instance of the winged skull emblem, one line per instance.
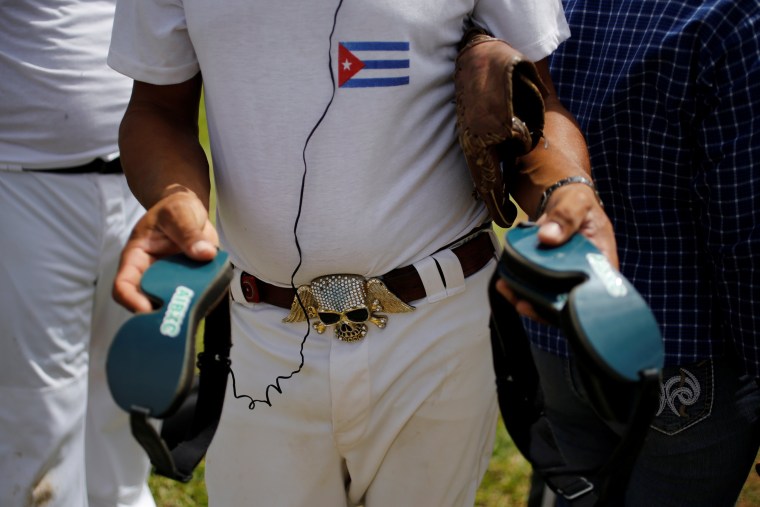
(346, 302)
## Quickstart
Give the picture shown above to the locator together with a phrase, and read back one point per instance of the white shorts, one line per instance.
(406, 416)
(62, 438)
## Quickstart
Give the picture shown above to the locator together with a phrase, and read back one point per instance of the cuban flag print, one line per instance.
(373, 64)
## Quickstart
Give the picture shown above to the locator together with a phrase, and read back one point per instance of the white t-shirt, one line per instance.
(60, 104)
(353, 98)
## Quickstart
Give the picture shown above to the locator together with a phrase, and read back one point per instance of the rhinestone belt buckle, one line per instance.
(346, 302)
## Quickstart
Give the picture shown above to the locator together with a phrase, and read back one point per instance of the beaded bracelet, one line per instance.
(561, 183)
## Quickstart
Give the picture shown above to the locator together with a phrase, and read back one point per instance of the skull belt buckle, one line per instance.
(346, 302)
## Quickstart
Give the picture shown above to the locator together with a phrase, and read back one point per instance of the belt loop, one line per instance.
(451, 269)
(441, 274)
(236, 289)
(431, 279)
(497, 246)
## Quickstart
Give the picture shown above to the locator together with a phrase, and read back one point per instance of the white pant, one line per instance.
(62, 438)
(404, 417)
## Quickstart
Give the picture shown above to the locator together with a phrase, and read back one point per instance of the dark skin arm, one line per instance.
(572, 208)
(167, 171)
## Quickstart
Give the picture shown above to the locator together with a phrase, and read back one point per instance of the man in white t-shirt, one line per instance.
(65, 213)
(337, 173)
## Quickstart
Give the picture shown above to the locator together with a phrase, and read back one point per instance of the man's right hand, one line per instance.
(178, 222)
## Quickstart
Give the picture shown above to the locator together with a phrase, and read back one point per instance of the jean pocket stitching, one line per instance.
(682, 390)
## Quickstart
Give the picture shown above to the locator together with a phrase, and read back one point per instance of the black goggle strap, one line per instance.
(576, 486)
(521, 404)
(617, 471)
(178, 460)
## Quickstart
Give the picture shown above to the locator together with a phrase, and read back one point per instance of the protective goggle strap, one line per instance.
(613, 477)
(618, 470)
(522, 411)
(521, 403)
(177, 461)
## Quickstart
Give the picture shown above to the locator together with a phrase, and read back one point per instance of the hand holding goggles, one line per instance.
(151, 363)
(573, 286)
(614, 339)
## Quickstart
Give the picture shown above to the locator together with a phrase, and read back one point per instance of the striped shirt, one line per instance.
(668, 95)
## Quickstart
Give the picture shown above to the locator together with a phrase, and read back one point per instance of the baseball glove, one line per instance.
(500, 116)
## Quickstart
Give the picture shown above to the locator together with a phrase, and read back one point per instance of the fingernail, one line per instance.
(202, 248)
(551, 229)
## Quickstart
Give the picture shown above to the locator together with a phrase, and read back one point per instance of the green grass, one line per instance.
(505, 484)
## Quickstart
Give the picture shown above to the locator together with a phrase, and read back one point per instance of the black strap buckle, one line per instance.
(577, 488)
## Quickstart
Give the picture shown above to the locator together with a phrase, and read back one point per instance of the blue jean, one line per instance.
(700, 446)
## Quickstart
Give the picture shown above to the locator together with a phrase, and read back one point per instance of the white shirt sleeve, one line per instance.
(150, 42)
(534, 27)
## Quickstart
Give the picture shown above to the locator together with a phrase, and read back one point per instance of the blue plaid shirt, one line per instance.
(668, 95)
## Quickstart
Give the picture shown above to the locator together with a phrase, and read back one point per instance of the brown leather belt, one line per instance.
(404, 282)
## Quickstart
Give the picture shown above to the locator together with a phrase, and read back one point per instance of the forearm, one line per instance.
(159, 145)
(560, 154)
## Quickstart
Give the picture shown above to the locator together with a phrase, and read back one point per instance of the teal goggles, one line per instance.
(151, 361)
(609, 327)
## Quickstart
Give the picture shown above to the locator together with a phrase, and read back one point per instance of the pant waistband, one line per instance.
(97, 166)
(404, 282)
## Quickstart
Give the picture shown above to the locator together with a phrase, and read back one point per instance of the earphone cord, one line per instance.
(276, 385)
